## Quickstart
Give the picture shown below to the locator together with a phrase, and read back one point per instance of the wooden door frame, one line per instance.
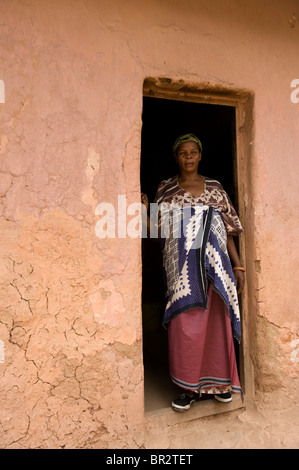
(242, 100)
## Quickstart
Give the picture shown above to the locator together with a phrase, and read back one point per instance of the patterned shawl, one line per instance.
(195, 250)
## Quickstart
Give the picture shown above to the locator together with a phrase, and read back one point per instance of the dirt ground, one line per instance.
(239, 429)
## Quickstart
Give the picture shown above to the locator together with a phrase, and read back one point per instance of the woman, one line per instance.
(196, 226)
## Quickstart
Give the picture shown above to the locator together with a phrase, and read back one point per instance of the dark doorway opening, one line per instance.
(163, 121)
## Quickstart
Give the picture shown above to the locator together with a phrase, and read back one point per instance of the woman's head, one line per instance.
(186, 138)
(187, 150)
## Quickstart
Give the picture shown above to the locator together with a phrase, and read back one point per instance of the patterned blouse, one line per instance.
(213, 194)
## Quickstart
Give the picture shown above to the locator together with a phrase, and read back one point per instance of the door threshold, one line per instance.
(199, 409)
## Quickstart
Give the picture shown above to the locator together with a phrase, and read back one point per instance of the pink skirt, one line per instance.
(201, 349)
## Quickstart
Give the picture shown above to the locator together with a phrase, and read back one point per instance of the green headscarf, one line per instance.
(186, 138)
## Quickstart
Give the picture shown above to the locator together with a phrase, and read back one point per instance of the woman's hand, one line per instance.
(144, 200)
(240, 280)
(239, 275)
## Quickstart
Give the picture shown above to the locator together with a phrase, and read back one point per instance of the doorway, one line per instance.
(163, 121)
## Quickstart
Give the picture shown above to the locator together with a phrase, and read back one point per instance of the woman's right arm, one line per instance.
(144, 200)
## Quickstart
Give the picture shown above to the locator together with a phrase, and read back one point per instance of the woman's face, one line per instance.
(188, 157)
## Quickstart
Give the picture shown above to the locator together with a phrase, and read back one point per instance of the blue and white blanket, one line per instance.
(194, 243)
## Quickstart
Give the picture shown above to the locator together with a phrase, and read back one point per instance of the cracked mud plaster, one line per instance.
(107, 304)
(89, 194)
(108, 309)
(63, 372)
(274, 367)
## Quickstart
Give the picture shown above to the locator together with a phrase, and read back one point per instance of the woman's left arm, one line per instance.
(233, 254)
